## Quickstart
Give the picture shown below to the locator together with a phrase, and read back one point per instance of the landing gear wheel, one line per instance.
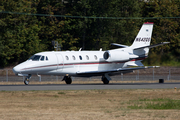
(26, 81)
(105, 80)
(68, 80)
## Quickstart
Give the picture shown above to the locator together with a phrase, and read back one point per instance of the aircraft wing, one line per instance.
(114, 70)
(95, 72)
(136, 68)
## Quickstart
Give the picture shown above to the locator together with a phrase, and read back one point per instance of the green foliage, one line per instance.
(23, 35)
(164, 30)
(19, 33)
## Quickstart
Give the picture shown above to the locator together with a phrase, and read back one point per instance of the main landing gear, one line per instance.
(26, 81)
(105, 78)
(67, 79)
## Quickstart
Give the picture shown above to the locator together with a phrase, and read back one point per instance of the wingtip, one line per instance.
(165, 42)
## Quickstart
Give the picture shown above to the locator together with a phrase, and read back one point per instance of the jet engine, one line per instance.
(115, 56)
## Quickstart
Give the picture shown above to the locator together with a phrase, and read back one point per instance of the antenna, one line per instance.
(80, 49)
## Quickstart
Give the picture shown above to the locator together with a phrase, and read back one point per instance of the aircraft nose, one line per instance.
(16, 70)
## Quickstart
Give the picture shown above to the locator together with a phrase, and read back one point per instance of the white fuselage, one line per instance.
(68, 62)
(90, 63)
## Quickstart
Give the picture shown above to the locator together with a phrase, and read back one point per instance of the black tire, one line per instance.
(68, 80)
(26, 81)
(105, 80)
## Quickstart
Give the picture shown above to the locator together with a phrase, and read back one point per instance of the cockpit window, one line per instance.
(35, 58)
(38, 57)
(31, 57)
(42, 58)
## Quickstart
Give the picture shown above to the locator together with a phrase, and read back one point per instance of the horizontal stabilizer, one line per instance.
(151, 46)
(119, 45)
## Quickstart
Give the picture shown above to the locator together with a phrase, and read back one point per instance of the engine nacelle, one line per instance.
(115, 56)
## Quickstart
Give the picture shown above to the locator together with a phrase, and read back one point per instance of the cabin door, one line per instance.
(60, 62)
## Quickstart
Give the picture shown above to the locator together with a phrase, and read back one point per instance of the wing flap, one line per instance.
(96, 72)
(114, 70)
(136, 68)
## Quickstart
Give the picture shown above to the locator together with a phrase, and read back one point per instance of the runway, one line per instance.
(99, 86)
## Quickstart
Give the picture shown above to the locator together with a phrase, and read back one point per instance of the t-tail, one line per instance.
(143, 40)
(141, 44)
(138, 50)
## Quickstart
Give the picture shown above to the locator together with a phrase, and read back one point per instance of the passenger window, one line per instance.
(46, 58)
(42, 58)
(80, 57)
(87, 57)
(95, 57)
(73, 57)
(67, 58)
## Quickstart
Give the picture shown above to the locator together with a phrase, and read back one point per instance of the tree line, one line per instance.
(22, 34)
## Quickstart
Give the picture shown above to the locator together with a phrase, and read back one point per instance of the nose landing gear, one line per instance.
(26, 81)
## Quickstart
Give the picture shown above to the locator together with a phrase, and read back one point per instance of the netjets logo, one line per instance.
(143, 39)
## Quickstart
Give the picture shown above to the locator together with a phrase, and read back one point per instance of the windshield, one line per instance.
(38, 57)
(35, 57)
(31, 57)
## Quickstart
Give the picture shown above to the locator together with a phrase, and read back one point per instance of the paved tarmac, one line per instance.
(31, 87)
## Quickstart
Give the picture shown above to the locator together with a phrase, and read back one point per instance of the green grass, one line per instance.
(61, 93)
(159, 103)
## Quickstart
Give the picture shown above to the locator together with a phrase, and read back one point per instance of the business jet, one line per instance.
(124, 59)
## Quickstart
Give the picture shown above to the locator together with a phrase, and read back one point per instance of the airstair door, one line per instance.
(60, 64)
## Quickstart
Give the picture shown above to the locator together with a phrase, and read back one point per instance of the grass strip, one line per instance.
(159, 103)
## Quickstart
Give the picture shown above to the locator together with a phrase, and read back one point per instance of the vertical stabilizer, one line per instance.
(144, 36)
(143, 39)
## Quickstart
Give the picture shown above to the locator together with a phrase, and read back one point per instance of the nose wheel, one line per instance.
(26, 81)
